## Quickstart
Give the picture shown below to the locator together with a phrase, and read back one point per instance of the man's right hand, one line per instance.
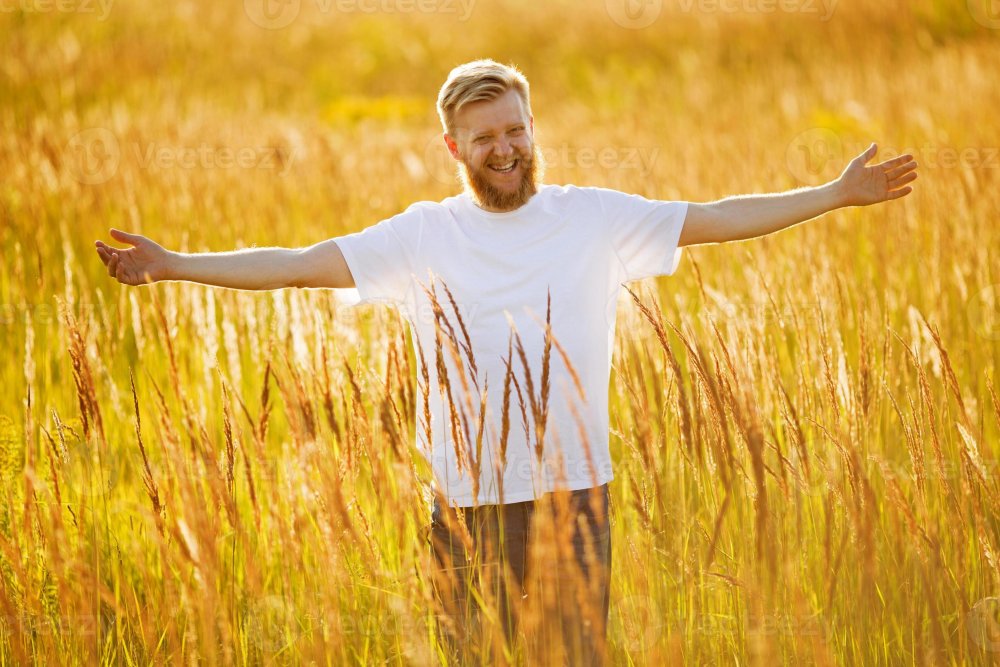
(319, 265)
(145, 262)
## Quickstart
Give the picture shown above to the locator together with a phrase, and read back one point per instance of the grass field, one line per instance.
(805, 428)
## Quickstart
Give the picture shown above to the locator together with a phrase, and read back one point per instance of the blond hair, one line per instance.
(477, 81)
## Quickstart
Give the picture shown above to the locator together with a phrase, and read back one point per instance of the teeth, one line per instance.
(506, 167)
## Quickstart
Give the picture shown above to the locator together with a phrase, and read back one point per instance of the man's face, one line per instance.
(495, 148)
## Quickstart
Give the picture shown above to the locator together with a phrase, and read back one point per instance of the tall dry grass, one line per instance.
(804, 427)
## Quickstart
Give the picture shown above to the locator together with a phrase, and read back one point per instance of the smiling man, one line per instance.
(510, 291)
(493, 143)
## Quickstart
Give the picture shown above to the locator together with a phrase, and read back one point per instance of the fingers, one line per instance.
(896, 194)
(125, 237)
(116, 267)
(902, 180)
(101, 245)
(896, 162)
(867, 155)
(906, 167)
(126, 276)
(104, 254)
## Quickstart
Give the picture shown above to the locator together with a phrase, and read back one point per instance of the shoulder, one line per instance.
(420, 209)
(583, 193)
(420, 213)
(566, 191)
(590, 200)
(420, 221)
(569, 195)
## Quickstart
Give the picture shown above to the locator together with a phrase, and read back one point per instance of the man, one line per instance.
(510, 290)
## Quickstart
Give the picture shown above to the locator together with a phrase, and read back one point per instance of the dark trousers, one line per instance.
(524, 581)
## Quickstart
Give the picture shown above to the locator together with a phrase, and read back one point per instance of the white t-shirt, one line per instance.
(577, 244)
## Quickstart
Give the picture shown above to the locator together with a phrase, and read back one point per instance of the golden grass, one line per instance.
(804, 428)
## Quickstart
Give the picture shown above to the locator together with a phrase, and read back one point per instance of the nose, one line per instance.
(503, 147)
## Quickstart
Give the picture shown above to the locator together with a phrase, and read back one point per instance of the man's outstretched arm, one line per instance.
(319, 265)
(750, 216)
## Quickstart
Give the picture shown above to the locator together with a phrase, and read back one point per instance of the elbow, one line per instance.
(704, 224)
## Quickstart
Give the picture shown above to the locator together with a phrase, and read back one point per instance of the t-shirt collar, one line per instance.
(529, 206)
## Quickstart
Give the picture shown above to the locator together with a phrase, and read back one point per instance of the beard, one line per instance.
(490, 197)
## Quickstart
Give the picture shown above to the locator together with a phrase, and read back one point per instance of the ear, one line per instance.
(452, 145)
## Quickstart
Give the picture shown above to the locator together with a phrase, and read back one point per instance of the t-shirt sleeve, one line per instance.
(644, 232)
(379, 260)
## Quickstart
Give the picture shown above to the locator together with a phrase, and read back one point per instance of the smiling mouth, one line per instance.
(505, 168)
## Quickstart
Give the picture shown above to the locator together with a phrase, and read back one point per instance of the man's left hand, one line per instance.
(861, 185)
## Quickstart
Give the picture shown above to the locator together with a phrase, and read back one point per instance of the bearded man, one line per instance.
(510, 290)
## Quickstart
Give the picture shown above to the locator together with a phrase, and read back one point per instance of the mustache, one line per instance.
(478, 184)
(518, 155)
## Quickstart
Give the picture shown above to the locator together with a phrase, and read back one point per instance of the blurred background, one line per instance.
(855, 354)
